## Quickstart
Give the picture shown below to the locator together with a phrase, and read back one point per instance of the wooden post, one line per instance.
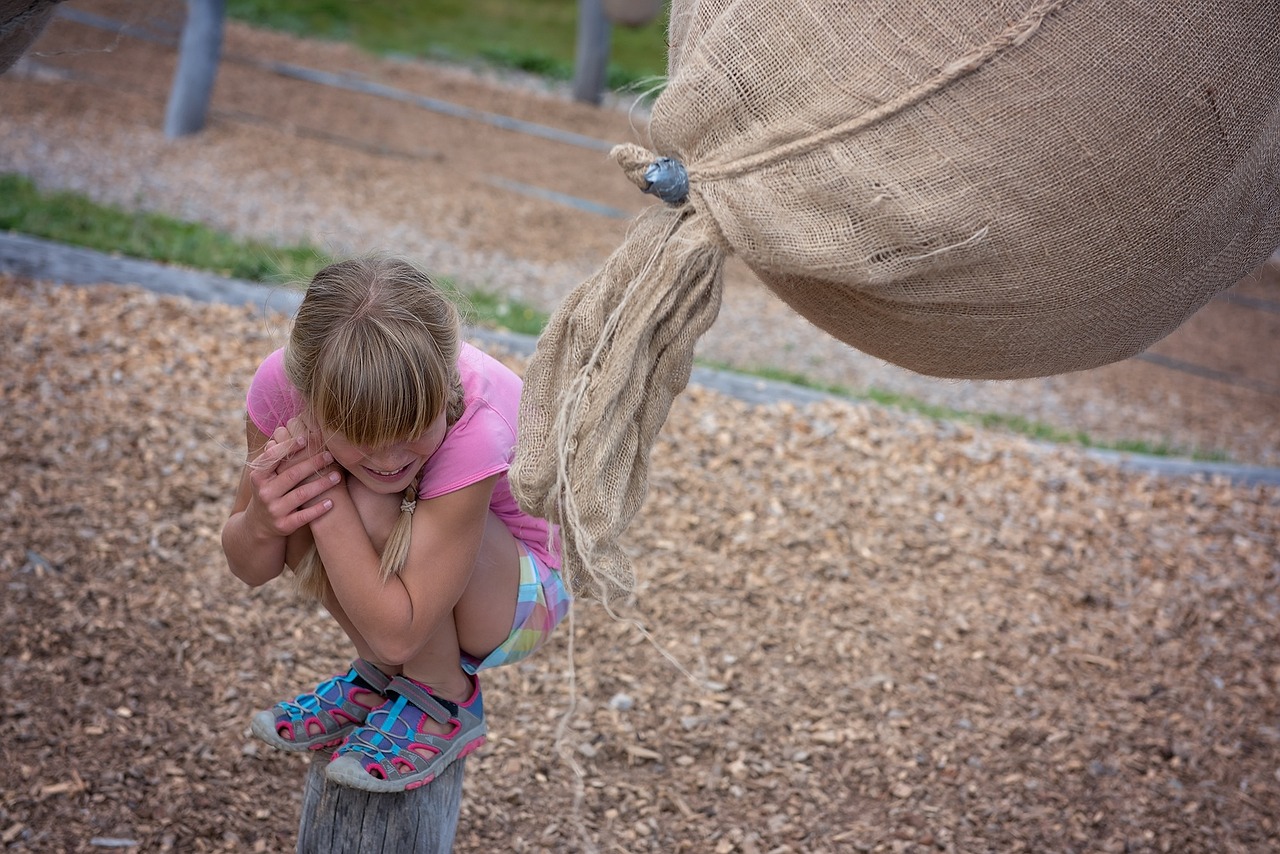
(341, 820)
(591, 61)
(198, 54)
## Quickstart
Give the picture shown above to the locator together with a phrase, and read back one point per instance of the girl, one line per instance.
(378, 449)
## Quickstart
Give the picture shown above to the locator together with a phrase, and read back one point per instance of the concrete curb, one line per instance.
(55, 262)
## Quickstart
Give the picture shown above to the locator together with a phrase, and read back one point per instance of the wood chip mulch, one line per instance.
(903, 634)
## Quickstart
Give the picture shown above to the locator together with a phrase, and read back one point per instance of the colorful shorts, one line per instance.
(541, 604)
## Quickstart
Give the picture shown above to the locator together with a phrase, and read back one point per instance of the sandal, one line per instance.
(327, 715)
(391, 753)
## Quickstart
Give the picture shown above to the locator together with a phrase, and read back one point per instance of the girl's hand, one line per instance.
(300, 428)
(289, 479)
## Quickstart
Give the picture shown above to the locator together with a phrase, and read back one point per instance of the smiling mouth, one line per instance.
(395, 474)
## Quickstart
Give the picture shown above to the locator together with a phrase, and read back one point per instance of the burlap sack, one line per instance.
(968, 188)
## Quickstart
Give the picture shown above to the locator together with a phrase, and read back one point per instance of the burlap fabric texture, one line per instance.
(968, 188)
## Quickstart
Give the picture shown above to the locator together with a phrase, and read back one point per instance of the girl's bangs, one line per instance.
(378, 396)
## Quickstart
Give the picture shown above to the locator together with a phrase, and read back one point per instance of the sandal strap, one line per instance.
(318, 702)
(439, 710)
(372, 675)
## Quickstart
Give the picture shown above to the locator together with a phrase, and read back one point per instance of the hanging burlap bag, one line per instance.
(970, 188)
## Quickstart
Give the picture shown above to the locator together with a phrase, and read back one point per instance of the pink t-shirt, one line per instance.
(480, 444)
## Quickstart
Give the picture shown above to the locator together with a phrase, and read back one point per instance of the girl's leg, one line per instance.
(398, 747)
(379, 514)
(485, 612)
(480, 622)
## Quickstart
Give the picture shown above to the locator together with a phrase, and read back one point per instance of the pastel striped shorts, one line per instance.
(541, 604)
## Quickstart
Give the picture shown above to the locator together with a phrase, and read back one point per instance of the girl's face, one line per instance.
(391, 469)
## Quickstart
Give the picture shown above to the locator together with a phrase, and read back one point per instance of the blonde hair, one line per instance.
(374, 352)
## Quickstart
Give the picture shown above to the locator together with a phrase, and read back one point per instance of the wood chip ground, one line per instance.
(865, 631)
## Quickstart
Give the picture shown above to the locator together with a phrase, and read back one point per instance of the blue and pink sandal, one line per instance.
(392, 753)
(327, 715)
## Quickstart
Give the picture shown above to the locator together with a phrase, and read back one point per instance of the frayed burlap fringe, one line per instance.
(599, 387)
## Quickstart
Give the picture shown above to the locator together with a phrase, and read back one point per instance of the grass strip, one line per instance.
(1036, 430)
(72, 218)
(535, 36)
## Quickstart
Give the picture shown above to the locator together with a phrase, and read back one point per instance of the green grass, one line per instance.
(537, 36)
(989, 420)
(72, 218)
(497, 310)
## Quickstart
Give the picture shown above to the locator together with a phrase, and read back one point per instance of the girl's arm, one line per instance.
(274, 504)
(397, 617)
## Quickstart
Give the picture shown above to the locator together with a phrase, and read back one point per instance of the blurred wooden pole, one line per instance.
(198, 55)
(350, 821)
(591, 61)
